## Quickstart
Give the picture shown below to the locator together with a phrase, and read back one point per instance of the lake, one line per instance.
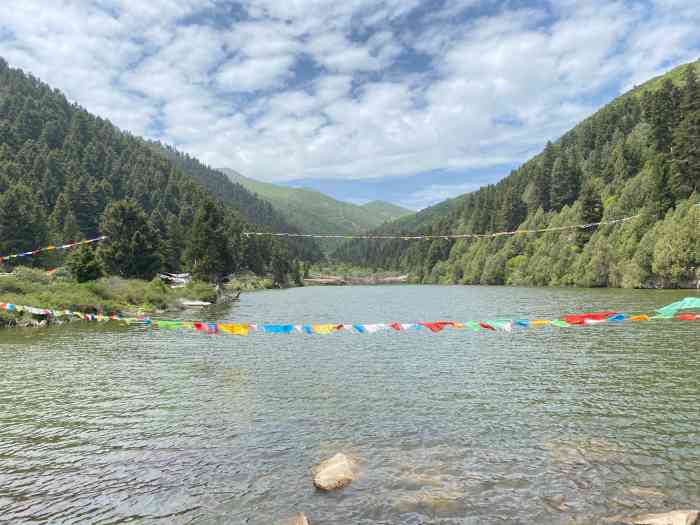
(112, 424)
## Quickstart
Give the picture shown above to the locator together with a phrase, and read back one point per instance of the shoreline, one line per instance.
(158, 299)
(46, 300)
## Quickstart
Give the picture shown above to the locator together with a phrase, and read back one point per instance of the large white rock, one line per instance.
(334, 473)
(676, 517)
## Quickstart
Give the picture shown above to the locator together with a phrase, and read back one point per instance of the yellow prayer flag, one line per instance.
(323, 328)
(540, 322)
(639, 318)
(234, 329)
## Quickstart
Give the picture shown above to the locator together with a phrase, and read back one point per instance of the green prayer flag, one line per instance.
(169, 325)
(689, 303)
(473, 325)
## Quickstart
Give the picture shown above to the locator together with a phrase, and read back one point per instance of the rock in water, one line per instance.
(334, 473)
(676, 517)
(299, 519)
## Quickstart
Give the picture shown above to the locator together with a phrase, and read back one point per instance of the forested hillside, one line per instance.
(638, 156)
(256, 210)
(315, 212)
(67, 175)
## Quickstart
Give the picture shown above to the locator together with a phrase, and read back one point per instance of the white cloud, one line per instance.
(255, 74)
(429, 195)
(319, 88)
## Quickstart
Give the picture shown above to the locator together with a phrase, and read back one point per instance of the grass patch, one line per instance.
(248, 282)
(31, 287)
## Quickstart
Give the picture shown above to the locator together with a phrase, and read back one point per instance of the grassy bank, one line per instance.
(108, 295)
(32, 287)
(249, 282)
(350, 271)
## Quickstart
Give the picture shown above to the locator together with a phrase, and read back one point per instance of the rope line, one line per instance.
(449, 236)
(51, 248)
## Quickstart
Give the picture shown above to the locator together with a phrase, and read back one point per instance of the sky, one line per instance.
(403, 100)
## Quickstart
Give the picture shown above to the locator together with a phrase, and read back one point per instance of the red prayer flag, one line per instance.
(437, 326)
(593, 316)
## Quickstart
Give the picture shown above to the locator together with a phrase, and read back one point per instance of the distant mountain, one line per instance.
(315, 212)
(639, 156)
(385, 211)
(254, 208)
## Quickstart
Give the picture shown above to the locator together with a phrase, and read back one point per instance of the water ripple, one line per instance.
(113, 425)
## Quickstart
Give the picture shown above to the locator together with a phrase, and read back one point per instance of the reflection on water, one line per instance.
(108, 424)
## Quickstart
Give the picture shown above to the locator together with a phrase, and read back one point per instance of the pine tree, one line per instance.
(616, 167)
(84, 205)
(131, 249)
(658, 196)
(173, 245)
(591, 212)
(298, 274)
(690, 97)
(84, 264)
(662, 114)
(281, 265)
(564, 185)
(22, 223)
(685, 170)
(537, 194)
(63, 226)
(207, 253)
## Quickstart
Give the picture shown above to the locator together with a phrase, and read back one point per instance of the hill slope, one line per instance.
(315, 212)
(61, 167)
(638, 156)
(384, 211)
(254, 208)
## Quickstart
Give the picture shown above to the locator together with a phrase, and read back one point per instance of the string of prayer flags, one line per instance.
(50, 249)
(677, 311)
(449, 236)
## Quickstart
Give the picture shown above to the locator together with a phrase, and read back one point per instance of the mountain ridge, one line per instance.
(316, 212)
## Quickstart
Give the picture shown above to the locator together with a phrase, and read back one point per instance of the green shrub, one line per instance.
(84, 264)
(12, 285)
(156, 293)
(31, 275)
(199, 291)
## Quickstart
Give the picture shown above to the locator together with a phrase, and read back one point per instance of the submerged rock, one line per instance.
(334, 473)
(675, 517)
(442, 502)
(299, 519)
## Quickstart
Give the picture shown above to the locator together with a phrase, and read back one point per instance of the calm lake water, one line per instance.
(564, 426)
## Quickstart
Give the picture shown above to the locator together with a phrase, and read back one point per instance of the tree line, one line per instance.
(637, 156)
